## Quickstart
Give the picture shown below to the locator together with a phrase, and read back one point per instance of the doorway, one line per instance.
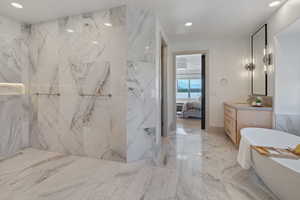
(190, 90)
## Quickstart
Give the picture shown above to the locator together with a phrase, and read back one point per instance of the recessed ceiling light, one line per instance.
(70, 30)
(16, 5)
(95, 42)
(188, 24)
(108, 24)
(275, 3)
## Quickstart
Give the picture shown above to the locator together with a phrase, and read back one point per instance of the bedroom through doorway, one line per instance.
(190, 92)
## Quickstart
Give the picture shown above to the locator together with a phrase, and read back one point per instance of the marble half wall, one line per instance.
(142, 87)
(14, 67)
(78, 84)
(288, 123)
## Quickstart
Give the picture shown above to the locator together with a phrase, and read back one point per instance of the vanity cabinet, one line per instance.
(239, 116)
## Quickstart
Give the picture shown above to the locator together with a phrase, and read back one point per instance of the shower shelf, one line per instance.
(8, 89)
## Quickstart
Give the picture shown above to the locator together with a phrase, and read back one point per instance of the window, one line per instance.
(188, 88)
(195, 88)
(182, 89)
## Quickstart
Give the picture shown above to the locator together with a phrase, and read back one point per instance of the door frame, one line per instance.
(164, 86)
(202, 52)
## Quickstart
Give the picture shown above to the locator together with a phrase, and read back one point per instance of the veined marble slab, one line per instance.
(74, 64)
(14, 57)
(92, 87)
(33, 174)
(207, 168)
(141, 111)
(14, 68)
(14, 123)
(141, 81)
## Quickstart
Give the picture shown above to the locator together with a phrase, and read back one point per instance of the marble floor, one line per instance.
(194, 165)
(188, 126)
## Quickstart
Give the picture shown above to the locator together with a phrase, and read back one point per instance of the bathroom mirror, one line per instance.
(259, 79)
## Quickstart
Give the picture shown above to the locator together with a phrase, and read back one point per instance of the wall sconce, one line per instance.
(267, 59)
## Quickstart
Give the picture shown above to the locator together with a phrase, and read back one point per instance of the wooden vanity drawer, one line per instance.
(230, 128)
(229, 112)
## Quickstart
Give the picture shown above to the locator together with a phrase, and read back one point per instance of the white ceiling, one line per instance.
(42, 10)
(211, 18)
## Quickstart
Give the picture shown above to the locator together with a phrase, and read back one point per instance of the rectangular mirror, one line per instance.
(259, 44)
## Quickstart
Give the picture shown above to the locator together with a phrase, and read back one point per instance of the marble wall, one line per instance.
(93, 88)
(142, 88)
(288, 123)
(14, 106)
(77, 63)
(93, 58)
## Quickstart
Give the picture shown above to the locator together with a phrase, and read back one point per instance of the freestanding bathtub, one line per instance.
(282, 176)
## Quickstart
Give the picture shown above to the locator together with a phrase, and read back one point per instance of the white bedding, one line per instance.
(266, 137)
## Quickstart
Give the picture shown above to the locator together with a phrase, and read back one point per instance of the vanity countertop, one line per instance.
(246, 106)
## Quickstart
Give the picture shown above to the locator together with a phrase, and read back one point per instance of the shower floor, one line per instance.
(33, 174)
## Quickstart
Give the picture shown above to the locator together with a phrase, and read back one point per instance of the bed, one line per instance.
(191, 109)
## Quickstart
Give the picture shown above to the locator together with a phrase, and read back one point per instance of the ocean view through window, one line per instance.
(188, 88)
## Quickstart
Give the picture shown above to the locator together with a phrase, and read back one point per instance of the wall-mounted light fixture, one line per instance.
(267, 59)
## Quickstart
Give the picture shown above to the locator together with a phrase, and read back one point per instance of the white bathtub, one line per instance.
(282, 176)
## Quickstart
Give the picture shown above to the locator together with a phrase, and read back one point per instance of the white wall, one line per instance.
(226, 61)
(288, 89)
(226, 58)
(284, 82)
(284, 17)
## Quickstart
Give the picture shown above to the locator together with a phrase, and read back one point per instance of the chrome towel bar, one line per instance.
(95, 95)
(47, 94)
